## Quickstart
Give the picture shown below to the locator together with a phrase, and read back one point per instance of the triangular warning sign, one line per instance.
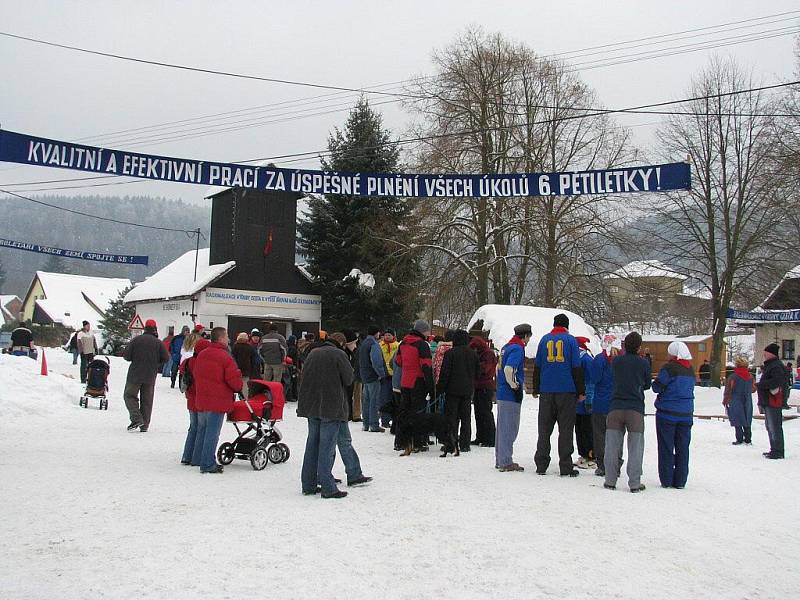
(136, 323)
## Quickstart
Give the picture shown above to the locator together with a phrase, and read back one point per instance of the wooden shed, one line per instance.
(699, 346)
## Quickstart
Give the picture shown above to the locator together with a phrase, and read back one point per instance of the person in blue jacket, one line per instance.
(510, 390)
(558, 381)
(674, 416)
(175, 347)
(583, 411)
(603, 388)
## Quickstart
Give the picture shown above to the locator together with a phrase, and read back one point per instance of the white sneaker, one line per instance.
(582, 463)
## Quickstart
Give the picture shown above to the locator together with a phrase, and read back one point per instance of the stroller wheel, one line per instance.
(258, 458)
(275, 454)
(104, 404)
(225, 454)
(285, 449)
(83, 402)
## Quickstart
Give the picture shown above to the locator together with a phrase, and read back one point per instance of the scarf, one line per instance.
(557, 330)
(684, 362)
(743, 373)
(517, 340)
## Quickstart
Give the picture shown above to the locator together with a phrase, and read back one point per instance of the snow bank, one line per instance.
(645, 268)
(500, 319)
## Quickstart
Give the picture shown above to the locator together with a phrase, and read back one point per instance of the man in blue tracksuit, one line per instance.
(175, 352)
(510, 390)
(558, 381)
(372, 370)
(603, 388)
(674, 408)
(583, 410)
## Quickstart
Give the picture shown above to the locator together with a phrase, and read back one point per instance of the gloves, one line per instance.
(518, 394)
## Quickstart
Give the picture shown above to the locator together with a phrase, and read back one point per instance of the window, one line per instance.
(787, 349)
(614, 289)
(701, 347)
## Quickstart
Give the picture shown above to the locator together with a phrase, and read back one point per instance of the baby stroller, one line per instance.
(259, 441)
(96, 383)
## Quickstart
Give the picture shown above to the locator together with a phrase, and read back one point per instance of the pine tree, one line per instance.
(343, 233)
(115, 322)
(56, 264)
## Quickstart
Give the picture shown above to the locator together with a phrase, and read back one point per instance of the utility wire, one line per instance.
(188, 232)
(199, 69)
(303, 156)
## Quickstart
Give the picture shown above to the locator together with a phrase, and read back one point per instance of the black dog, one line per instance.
(412, 425)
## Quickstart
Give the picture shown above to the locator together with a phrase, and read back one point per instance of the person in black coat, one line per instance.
(460, 369)
(773, 396)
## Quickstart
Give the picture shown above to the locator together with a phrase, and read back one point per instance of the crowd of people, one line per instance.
(421, 385)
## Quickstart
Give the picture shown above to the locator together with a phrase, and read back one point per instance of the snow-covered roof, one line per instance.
(6, 299)
(645, 268)
(500, 319)
(177, 280)
(791, 274)
(303, 268)
(72, 299)
(692, 339)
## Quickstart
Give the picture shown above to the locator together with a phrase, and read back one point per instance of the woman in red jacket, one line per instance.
(191, 450)
(216, 380)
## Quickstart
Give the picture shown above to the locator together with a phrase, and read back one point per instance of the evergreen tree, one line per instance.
(343, 233)
(115, 322)
(56, 264)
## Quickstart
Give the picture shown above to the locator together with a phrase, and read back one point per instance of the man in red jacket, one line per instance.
(216, 380)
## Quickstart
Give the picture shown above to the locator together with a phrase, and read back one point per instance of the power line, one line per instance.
(765, 20)
(303, 156)
(198, 69)
(83, 214)
(679, 33)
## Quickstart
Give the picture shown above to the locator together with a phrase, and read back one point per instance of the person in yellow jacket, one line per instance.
(388, 345)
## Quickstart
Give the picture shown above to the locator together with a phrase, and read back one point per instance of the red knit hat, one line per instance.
(583, 342)
(151, 324)
(199, 327)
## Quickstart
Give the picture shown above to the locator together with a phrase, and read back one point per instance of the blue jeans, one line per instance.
(370, 403)
(673, 451)
(508, 413)
(320, 454)
(191, 436)
(352, 465)
(773, 419)
(209, 425)
(166, 371)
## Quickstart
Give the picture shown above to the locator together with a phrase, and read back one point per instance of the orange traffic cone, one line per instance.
(44, 363)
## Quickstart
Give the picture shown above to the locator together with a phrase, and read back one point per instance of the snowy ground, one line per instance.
(91, 511)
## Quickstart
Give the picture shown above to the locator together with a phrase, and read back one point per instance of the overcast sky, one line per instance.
(73, 96)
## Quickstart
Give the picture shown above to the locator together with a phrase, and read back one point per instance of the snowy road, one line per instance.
(91, 511)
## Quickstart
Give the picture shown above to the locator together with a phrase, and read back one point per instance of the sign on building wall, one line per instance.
(264, 300)
(778, 316)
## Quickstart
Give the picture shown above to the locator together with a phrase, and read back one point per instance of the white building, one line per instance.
(247, 278)
(68, 300)
(174, 298)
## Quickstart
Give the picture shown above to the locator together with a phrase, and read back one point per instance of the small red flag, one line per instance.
(268, 245)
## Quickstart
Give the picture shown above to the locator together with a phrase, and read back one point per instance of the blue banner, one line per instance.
(776, 316)
(29, 150)
(125, 259)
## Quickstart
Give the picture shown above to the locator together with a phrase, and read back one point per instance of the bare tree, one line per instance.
(726, 229)
(496, 107)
